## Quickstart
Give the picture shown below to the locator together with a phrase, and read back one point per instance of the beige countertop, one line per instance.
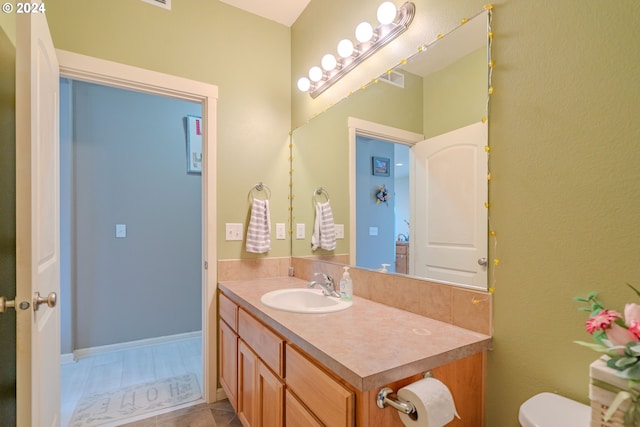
(369, 344)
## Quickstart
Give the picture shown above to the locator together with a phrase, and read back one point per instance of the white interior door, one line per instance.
(37, 224)
(449, 218)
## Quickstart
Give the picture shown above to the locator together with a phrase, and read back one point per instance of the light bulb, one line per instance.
(364, 32)
(387, 13)
(329, 62)
(304, 84)
(345, 48)
(315, 74)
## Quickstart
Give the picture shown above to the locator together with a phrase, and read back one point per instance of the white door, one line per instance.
(449, 218)
(37, 224)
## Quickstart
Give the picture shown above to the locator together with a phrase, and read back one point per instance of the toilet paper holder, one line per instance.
(386, 396)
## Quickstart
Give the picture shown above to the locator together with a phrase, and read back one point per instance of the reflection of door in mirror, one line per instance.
(449, 190)
(382, 204)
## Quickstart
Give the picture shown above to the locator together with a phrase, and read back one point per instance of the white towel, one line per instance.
(324, 230)
(259, 230)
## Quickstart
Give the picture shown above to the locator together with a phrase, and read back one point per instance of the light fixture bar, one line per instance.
(382, 35)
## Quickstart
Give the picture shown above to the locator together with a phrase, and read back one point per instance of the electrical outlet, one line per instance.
(280, 231)
(233, 231)
(300, 231)
(339, 231)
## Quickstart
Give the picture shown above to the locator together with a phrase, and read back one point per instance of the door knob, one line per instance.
(4, 304)
(482, 262)
(50, 300)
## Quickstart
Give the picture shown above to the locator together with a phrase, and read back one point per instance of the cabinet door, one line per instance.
(297, 414)
(247, 371)
(229, 363)
(270, 399)
(328, 400)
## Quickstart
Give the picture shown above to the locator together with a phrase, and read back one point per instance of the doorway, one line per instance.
(382, 203)
(131, 240)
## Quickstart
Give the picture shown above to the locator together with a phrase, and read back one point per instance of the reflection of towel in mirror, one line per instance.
(259, 230)
(324, 230)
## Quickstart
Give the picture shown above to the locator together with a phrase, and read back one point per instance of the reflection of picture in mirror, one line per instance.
(380, 166)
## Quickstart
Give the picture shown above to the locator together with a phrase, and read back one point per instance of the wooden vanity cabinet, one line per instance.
(228, 348)
(251, 367)
(297, 415)
(325, 398)
(260, 391)
(272, 383)
(402, 257)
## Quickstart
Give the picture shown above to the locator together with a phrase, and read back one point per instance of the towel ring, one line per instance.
(260, 187)
(319, 192)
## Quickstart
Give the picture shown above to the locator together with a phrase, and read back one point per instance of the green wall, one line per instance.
(246, 56)
(456, 96)
(565, 188)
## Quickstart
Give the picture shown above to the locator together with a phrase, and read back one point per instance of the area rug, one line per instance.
(103, 408)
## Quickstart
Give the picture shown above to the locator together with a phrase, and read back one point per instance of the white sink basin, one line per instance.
(303, 300)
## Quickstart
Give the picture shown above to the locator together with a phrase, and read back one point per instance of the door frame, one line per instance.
(373, 130)
(94, 70)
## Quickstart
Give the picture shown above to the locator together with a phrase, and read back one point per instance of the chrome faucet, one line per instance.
(327, 285)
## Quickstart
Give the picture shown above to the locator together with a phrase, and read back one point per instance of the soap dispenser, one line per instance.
(346, 286)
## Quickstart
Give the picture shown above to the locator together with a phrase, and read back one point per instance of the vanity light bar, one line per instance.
(382, 35)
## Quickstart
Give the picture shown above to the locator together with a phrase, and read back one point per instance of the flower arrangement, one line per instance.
(382, 195)
(617, 335)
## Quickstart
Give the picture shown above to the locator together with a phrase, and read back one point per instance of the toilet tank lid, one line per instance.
(553, 410)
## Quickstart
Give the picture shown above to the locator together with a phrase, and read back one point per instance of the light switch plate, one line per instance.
(373, 231)
(280, 231)
(339, 231)
(300, 231)
(233, 231)
(121, 231)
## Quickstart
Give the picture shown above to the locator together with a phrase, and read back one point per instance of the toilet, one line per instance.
(553, 410)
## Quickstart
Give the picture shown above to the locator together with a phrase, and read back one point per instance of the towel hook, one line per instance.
(318, 192)
(260, 187)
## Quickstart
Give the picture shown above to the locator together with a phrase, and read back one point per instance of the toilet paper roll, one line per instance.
(433, 402)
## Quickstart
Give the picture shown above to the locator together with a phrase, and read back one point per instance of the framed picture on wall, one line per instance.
(194, 145)
(380, 166)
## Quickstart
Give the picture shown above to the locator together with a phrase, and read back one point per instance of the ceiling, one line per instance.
(284, 12)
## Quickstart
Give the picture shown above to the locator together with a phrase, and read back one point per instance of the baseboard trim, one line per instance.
(67, 358)
(220, 394)
(91, 351)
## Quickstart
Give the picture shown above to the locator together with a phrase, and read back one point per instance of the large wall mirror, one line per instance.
(402, 162)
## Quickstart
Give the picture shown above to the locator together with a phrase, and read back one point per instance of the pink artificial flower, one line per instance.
(634, 328)
(619, 335)
(631, 314)
(602, 320)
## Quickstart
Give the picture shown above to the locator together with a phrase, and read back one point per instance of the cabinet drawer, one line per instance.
(327, 399)
(401, 249)
(266, 344)
(229, 312)
(297, 415)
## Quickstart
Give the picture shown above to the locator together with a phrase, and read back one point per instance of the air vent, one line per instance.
(393, 78)
(165, 4)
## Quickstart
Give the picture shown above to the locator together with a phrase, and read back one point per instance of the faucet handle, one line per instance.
(327, 277)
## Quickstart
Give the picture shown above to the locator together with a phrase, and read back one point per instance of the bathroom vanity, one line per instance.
(282, 368)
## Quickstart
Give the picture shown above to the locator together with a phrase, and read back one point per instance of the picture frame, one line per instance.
(194, 145)
(380, 166)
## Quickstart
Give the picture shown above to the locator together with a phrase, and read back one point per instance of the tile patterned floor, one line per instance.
(218, 414)
(118, 369)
